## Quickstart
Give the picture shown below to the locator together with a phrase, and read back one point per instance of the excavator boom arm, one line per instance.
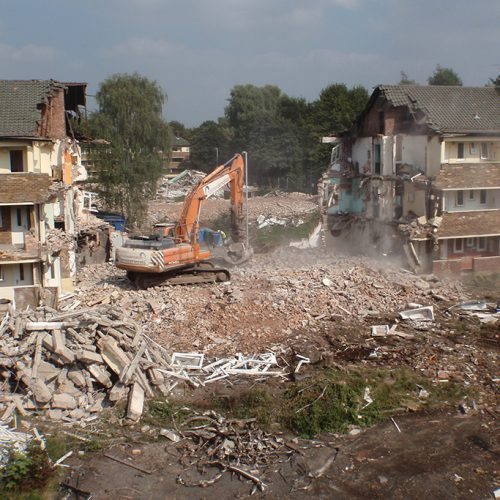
(231, 173)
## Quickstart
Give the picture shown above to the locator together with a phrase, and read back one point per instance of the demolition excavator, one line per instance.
(174, 254)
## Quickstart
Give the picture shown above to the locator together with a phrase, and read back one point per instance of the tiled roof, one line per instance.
(24, 188)
(19, 105)
(449, 108)
(468, 176)
(465, 224)
(179, 141)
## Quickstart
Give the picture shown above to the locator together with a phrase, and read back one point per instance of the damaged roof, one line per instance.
(469, 224)
(21, 100)
(448, 109)
(468, 176)
(25, 188)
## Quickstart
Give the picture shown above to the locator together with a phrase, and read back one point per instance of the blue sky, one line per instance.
(197, 50)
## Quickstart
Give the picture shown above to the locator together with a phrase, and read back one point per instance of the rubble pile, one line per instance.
(287, 207)
(58, 240)
(268, 301)
(172, 189)
(72, 364)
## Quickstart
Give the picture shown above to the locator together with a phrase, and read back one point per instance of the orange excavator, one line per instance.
(174, 255)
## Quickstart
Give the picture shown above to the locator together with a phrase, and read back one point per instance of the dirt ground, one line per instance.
(437, 455)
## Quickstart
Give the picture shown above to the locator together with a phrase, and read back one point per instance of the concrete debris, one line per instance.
(11, 440)
(380, 330)
(419, 314)
(73, 364)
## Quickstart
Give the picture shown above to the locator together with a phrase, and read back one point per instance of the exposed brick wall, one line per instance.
(6, 228)
(396, 121)
(487, 264)
(53, 123)
(444, 267)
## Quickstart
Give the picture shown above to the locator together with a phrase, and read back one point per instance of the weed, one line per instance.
(164, 413)
(27, 471)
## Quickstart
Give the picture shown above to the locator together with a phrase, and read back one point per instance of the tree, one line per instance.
(210, 142)
(130, 119)
(404, 80)
(444, 76)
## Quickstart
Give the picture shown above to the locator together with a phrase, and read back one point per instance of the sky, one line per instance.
(197, 50)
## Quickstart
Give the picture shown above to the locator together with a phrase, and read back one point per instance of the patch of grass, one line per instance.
(252, 403)
(27, 474)
(335, 399)
(163, 413)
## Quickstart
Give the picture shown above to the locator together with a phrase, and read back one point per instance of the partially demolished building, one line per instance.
(39, 165)
(420, 171)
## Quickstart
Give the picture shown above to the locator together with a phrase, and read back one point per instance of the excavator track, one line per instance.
(204, 272)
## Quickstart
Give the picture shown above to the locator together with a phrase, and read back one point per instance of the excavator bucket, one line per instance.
(237, 253)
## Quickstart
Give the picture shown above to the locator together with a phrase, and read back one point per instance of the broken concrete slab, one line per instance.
(135, 402)
(63, 401)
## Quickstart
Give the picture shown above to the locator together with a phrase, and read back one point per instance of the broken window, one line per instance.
(482, 196)
(460, 198)
(460, 151)
(88, 201)
(484, 151)
(16, 160)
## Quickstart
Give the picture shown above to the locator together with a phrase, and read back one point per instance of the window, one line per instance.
(481, 243)
(21, 272)
(376, 159)
(471, 194)
(460, 151)
(16, 160)
(19, 213)
(458, 246)
(473, 148)
(484, 151)
(2, 277)
(459, 202)
(1, 220)
(482, 196)
(469, 243)
(88, 201)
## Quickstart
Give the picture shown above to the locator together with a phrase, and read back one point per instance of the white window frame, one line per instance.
(88, 201)
(456, 198)
(481, 192)
(463, 146)
(484, 151)
(473, 148)
(458, 250)
(470, 242)
(483, 246)
(472, 194)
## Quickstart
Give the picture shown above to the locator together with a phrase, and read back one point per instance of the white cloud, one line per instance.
(30, 53)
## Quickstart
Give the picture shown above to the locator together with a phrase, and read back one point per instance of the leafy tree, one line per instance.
(404, 80)
(210, 142)
(130, 119)
(444, 76)
(333, 112)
